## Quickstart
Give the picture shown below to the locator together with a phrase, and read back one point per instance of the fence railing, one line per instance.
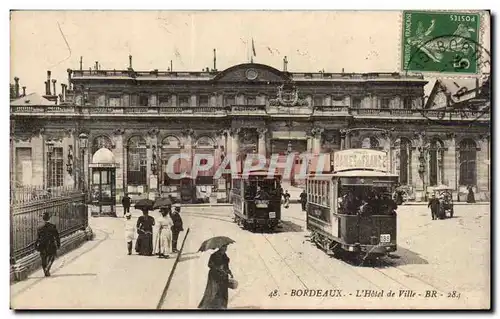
(66, 207)
(29, 194)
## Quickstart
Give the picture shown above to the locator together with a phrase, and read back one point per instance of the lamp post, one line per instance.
(292, 171)
(83, 138)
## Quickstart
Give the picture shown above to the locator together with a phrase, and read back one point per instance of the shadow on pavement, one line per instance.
(288, 226)
(404, 256)
(66, 275)
(186, 258)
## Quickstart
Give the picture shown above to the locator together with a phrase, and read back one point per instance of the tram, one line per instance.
(351, 211)
(256, 199)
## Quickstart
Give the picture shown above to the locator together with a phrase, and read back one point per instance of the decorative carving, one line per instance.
(343, 133)
(288, 95)
(119, 131)
(316, 132)
(221, 132)
(451, 135)
(262, 132)
(234, 131)
(69, 131)
(485, 136)
(188, 132)
(153, 132)
(247, 136)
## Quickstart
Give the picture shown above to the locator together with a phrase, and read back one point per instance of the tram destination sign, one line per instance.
(360, 159)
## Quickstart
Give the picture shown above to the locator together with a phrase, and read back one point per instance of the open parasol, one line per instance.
(144, 204)
(162, 202)
(215, 243)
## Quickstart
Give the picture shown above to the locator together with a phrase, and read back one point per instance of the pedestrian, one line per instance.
(47, 243)
(164, 237)
(434, 205)
(129, 231)
(286, 196)
(177, 226)
(470, 195)
(303, 199)
(126, 204)
(144, 243)
(217, 289)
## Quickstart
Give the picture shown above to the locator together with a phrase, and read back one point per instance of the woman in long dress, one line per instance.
(144, 243)
(216, 292)
(164, 240)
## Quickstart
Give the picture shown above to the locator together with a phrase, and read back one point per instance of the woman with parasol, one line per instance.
(145, 223)
(218, 283)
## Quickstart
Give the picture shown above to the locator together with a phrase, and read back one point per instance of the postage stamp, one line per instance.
(441, 42)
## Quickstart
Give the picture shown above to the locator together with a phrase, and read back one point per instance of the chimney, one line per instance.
(16, 86)
(171, 66)
(63, 92)
(69, 78)
(215, 60)
(285, 64)
(54, 84)
(48, 83)
(130, 61)
(96, 65)
(24, 91)
(342, 70)
(81, 63)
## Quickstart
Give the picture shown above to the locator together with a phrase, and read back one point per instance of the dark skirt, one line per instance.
(144, 244)
(470, 198)
(216, 292)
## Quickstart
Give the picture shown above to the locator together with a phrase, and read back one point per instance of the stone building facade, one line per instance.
(143, 118)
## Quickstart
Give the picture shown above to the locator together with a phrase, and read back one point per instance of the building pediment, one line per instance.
(252, 72)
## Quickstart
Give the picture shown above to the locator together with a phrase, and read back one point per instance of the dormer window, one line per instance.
(407, 103)
(143, 100)
(164, 100)
(356, 102)
(318, 101)
(384, 103)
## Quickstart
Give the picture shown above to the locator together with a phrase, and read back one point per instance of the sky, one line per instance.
(361, 41)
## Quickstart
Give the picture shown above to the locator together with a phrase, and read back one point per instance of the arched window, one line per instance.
(436, 167)
(370, 142)
(405, 161)
(205, 145)
(467, 160)
(170, 146)
(136, 161)
(100, 142)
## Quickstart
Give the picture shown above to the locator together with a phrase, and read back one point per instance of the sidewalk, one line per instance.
(98, 275)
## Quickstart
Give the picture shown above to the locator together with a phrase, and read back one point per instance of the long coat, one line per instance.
(48, 239)
(216, 291)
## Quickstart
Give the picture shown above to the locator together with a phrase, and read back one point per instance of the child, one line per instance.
(129, 231)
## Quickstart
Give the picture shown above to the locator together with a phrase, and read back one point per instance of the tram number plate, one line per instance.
(272, 214)
(385, 238)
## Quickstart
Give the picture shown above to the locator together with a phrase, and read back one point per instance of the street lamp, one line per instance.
(83, 145)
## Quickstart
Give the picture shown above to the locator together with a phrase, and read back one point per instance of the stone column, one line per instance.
(119, 157)
(69, 151)
(235, 145)
(188, 147)
(482, 166)
(386, 146)
(316, 133)
(450, 166)
(262, 141)
(153, 157)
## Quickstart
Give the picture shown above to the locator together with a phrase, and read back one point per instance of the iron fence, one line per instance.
(66, 207)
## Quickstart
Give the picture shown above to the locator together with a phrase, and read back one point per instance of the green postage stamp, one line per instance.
(445, 42)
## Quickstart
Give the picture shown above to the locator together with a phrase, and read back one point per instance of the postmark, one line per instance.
(468, 102)
(438, 38)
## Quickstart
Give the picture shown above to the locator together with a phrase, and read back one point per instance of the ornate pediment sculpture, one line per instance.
(288, 95)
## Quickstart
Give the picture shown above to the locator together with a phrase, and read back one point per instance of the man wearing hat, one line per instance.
(177, 227)
(47, 243)
(434, 206)
(129, 231)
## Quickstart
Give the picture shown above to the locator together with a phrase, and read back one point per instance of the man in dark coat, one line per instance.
(177, 227)
(303, 199)
(434, 205)
(47, 243)
(126, 204)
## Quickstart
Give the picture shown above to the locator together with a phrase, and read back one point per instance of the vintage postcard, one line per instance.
(250, 160)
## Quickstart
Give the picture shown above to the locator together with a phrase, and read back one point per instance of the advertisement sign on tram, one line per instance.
(360, 159)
